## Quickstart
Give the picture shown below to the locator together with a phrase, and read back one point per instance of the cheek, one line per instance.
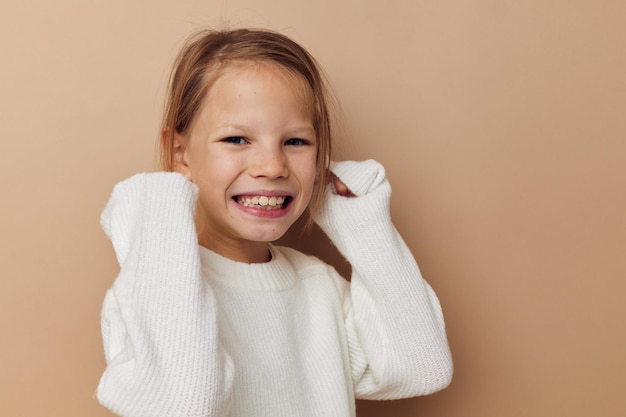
(309, 176)
(206, 165)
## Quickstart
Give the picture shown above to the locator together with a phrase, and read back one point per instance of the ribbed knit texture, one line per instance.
(190, 333)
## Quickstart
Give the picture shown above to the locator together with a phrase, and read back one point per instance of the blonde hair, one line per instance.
(205, 57)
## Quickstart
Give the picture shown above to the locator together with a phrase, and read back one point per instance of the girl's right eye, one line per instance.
(235, 140)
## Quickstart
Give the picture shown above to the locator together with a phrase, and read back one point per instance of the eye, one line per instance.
(235, 140)
(296, 142)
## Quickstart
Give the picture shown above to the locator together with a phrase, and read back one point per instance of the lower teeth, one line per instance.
(268, 207)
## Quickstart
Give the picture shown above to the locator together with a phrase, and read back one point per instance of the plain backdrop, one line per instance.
(502, 127)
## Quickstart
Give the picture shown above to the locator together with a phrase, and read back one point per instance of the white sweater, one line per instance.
(189, 333)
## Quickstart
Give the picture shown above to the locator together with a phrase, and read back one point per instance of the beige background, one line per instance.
(502, 125)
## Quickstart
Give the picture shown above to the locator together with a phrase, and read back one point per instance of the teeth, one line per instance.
(262, 201)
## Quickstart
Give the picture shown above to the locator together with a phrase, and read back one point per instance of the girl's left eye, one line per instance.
(296, 142)
(235, 140)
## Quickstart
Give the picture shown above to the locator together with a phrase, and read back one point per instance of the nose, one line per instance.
(269, 163)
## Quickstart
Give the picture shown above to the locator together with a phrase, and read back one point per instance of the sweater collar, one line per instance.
(275, 275)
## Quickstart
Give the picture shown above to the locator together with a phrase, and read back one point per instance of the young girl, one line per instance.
(207, 317)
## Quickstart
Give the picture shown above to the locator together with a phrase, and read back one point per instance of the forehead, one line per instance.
(272, 72)
(253, 98)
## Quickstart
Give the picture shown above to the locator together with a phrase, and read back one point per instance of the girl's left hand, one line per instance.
(340, 187)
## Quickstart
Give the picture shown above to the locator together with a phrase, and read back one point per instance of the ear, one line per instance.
(180, 161)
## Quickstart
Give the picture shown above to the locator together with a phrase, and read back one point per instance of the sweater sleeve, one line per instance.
(395, 327)
(159, 318)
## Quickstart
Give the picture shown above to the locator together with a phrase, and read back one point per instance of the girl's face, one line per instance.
(251, 150)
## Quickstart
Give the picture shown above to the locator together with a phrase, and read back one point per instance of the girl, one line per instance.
(207, 317)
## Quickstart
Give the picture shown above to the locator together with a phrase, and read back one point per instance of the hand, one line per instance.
(340, 187)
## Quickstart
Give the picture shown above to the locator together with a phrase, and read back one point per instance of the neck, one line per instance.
(240, 251)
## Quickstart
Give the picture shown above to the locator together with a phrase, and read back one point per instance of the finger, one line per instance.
(341, 188)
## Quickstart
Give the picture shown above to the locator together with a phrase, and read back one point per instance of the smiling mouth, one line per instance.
(263, 202)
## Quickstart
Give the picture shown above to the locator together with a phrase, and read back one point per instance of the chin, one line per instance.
(265, 233)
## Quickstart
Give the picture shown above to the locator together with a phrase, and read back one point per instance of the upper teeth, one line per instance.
(261, 200)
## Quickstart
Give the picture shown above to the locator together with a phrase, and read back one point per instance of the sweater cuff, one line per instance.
(144, 198)
(346, 220)
(360, 177)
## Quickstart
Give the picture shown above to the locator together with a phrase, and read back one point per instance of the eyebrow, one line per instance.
(303, 128)
(308, 128)
(231, 126)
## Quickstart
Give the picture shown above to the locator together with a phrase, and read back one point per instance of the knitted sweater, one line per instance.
(189, 333)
